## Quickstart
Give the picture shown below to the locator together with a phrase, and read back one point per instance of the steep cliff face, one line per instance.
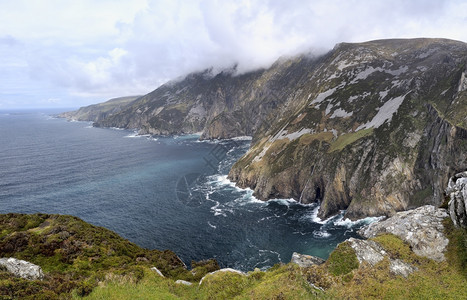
(372, 128)
(97, 112)
(379, 128)
(221, 106)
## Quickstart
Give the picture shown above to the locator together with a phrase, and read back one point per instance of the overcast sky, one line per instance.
(57, 53)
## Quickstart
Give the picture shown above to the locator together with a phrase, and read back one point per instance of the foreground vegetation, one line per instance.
(80, 260)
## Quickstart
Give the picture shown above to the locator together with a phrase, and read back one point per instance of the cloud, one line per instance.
(103, 49)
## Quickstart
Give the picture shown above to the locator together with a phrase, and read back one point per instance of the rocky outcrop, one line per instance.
(22, 268)
(371, 252)
(421, 228)
(305, 261)
(457, 192)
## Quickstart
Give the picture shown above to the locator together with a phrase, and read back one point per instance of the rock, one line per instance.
(421, 228)
(457, 192)
(183, 282)
(367, 251)
(157, 271)
(372, 253)
(222, 270)
(304, 261)
(398, 267)
(22, 268)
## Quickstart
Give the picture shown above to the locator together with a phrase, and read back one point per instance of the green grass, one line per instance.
(281, 282)
(106, 266)
(342, 260)
(76, 255)
(349, 138)
(433, 280)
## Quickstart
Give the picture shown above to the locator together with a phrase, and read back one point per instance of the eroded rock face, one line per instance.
(304, 261)
(366, 138)
(457, 191)
(421, 228)
(22, 268)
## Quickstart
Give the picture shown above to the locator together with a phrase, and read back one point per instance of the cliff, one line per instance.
(379, 129)
(99, 111)
(372, 128)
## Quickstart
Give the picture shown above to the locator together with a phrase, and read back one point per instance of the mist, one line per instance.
(73, 54)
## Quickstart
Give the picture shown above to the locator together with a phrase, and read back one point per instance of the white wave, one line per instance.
(132, 135)
(349, 223)
(316, 219)
(321, 234)
(116, 128)
(242, 138)
(285, 202)
(212, 226)
(90, 126)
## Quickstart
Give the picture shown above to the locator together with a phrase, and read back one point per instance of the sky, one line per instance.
(68, 53)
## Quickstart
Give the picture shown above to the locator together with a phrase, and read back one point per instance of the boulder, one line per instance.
(157, 271)
(421, 228)
(304, 261)
(22, 268)
(183, 282)
(372, 253)
(457, 192)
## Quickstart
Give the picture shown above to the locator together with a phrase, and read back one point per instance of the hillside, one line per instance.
(99, 111)
(380, 128)
(80, 260)
(373, 128)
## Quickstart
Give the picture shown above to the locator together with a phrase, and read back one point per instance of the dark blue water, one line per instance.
(162, 192)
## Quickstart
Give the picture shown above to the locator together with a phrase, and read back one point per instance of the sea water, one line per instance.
(162, 192)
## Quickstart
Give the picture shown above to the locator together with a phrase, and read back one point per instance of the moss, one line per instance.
(457, 248)
(420, 196)
(342, 260)
(349, 138)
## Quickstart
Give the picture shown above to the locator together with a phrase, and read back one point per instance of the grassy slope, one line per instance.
(107, 267)
(75, 256)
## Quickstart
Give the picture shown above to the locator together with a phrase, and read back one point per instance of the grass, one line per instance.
(342, 260)
(349, 138)
(433, 280)
(76, 255)
(106, 266)
(282, 282)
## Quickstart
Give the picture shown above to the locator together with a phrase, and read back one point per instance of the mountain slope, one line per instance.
(381, 128)
(99, 111)
(221, 106)
(373, 127)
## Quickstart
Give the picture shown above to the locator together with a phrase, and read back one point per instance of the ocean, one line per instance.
(162, 192)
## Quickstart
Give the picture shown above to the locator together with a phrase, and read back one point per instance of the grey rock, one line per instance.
(304, 261)
(457, 191)
(421, 228)
(22, 268)
(157, 271)
(398, 267)
(372, 253)
(183, 282)
(367, 251)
